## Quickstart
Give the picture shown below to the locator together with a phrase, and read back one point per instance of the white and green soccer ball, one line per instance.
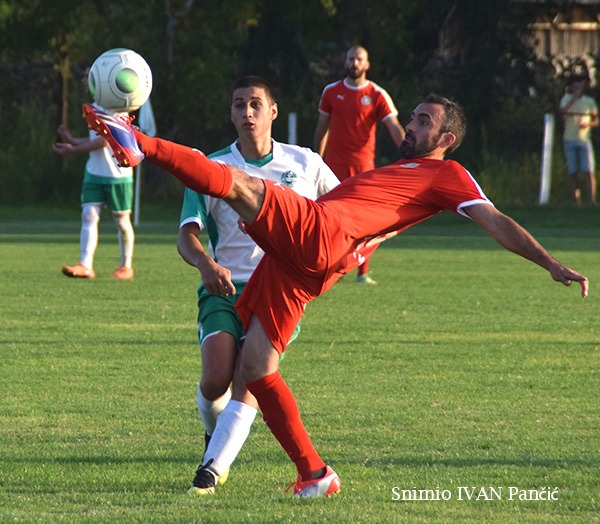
(120, 80)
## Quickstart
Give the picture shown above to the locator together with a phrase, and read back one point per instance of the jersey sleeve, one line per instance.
(385, 105)
(325, 102)
(326, 179)
(193, 209)
(456, 189)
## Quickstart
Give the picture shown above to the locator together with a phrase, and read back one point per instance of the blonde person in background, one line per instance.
(580, 115)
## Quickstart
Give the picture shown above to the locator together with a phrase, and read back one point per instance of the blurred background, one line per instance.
(506, 61)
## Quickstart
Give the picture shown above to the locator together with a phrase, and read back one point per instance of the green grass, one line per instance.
(466, 366)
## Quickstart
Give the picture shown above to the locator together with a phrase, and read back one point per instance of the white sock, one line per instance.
(126, 238)
(88, 240)
(233, 428)
(209, 410)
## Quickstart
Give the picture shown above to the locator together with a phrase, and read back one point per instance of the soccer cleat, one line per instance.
(123, 273)
(366, 279)
(78, 271)
(206, 480)
(117, 131)
(327, 485)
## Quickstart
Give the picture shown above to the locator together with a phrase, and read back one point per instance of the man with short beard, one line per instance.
(349, 112)
(310, 244)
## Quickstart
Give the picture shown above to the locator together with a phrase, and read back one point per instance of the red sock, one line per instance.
(282, 416)
(189, 165)
(363, 269)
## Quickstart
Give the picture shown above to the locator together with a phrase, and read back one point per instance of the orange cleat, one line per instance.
(78, 271)
(123, 273)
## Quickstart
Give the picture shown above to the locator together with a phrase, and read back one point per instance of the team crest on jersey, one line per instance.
(289, 178)
(366, 100)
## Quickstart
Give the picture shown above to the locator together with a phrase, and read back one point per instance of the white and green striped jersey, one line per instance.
(297, 167)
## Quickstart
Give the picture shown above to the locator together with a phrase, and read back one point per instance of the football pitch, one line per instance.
(464, 387)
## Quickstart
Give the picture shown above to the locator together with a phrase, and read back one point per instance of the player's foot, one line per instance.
(123, 273)
(366, 279)
(78, 271)
(117, 131)
(206, 480)
(327, 485)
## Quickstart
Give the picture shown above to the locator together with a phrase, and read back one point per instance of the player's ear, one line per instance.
(274, 111)
(447, 140)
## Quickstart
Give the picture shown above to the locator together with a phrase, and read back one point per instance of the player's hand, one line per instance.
(62, 148)
(217, 280)
(567, 276)
(64, 134)
(242, 226)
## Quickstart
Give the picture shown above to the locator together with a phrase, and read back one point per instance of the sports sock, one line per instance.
(189, 165)
(363, 269)
(126, 238)
(282, 416)
(209, 410)
(88, 240)
(232, 430)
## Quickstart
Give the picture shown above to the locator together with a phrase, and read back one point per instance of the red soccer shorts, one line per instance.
(306, 251)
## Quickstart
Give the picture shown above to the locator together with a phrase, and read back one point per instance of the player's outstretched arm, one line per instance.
(515, 238)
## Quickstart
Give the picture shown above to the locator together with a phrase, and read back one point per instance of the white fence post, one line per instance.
(292, 127)
(546, 175)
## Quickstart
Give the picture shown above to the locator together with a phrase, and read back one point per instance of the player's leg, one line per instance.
(88, 241)
(243, 193)
(88, 238)
(363, 276)
(572, 160)
(219, 332)
(126, 237)
(120, 199)
(591, 183)
(227, 424)
(259, 362)
(588, 168)
(231, 432)
(218, 352)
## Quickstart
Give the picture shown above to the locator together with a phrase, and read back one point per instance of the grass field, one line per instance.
(465, 368)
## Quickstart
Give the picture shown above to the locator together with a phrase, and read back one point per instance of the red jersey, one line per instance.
(354, 113)
(309, 245)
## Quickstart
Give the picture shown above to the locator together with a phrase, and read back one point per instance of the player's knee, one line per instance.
(253, 369)
(123, 221)
(213, 387)
(90, 214)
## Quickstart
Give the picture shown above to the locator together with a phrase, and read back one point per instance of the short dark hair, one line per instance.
(455, 120)
(577, 78)
(254, 81)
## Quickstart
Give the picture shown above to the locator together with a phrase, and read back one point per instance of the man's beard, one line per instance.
(352, 72)
(409, 148)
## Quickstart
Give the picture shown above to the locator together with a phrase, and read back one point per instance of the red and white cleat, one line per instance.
(327, 485)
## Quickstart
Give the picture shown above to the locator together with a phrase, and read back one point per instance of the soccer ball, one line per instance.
(120, 80)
